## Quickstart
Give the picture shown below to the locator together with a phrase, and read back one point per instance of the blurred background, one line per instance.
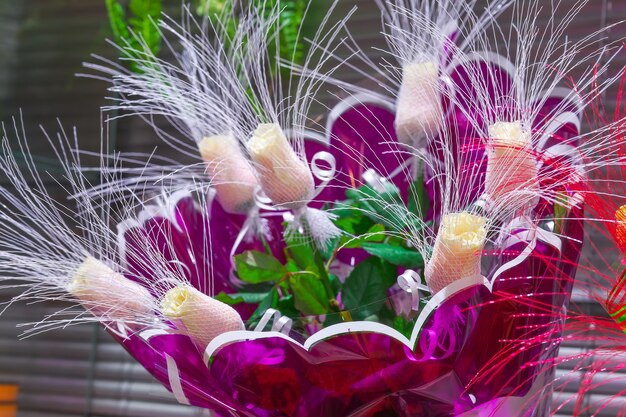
(80, 371)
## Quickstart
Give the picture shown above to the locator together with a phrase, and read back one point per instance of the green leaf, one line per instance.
(395, 255)
(146, 14)
(309, 294)
(385, 207)
(374, 234)
(117, 20)
(241, 297)
(302, 254)
(560, 211)
(287, 307)
(352, 220)
(255, 267)
(270, 301)
(404, 326)
(390, 193)
(136, 32)
(365, 289)
(418, 203)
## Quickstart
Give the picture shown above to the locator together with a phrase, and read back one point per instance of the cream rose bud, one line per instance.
(511, 165)
(202, 317)
(285, 178)
(418, 111)
(457, 250)
(108, 294)
(231, 173)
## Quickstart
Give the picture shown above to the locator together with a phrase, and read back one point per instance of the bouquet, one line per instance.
(413, 256)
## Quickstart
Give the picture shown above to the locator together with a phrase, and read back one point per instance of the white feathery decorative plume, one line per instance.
(539, 60)
(418, 35)
(48, 259)
(51, 260)
(199, 95)
(221, 90)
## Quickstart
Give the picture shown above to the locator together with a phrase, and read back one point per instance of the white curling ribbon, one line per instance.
(285, 178)
(511, 164)
(325, 175)
(200, 316)
(457, 250)
(174, 379)
(418, 110)
(108, 294)
(230, 172)
(409, 281)
(530, 234)
(280, 323)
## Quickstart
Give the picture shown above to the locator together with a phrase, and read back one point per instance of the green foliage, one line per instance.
(256, 267)
(418, 202)
(365, 289)
(309, 293)
(242, 297)
(135, 30)
(561, 209)
(396, 255)
(286, 37)
(302, 285)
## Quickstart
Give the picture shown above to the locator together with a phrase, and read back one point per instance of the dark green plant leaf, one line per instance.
(301, 253)
(309, 294)
(385, 207)
(146, 13)
(374, 234)
(136, 32)
(241, 297)
(365, 290)
(395, 255)
(256, 267)
(287, 307)
(418, 203)
(404, 326)
(117, 20)
(270, 301)
(560, 211)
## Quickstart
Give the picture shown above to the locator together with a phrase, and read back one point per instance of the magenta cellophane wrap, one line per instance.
(483, 346)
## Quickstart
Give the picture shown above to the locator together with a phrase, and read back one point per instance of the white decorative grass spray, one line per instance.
(223, 93)
(53, 252)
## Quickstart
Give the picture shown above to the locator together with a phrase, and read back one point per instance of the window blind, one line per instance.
(80, 371)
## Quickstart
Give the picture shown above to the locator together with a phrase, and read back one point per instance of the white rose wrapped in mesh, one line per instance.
(511, 163)
(419, 112)
(200, 316)
(220, 87)
(56, 260)
(457, 250)
(108, 294)
(231, 174)
(285, 178)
